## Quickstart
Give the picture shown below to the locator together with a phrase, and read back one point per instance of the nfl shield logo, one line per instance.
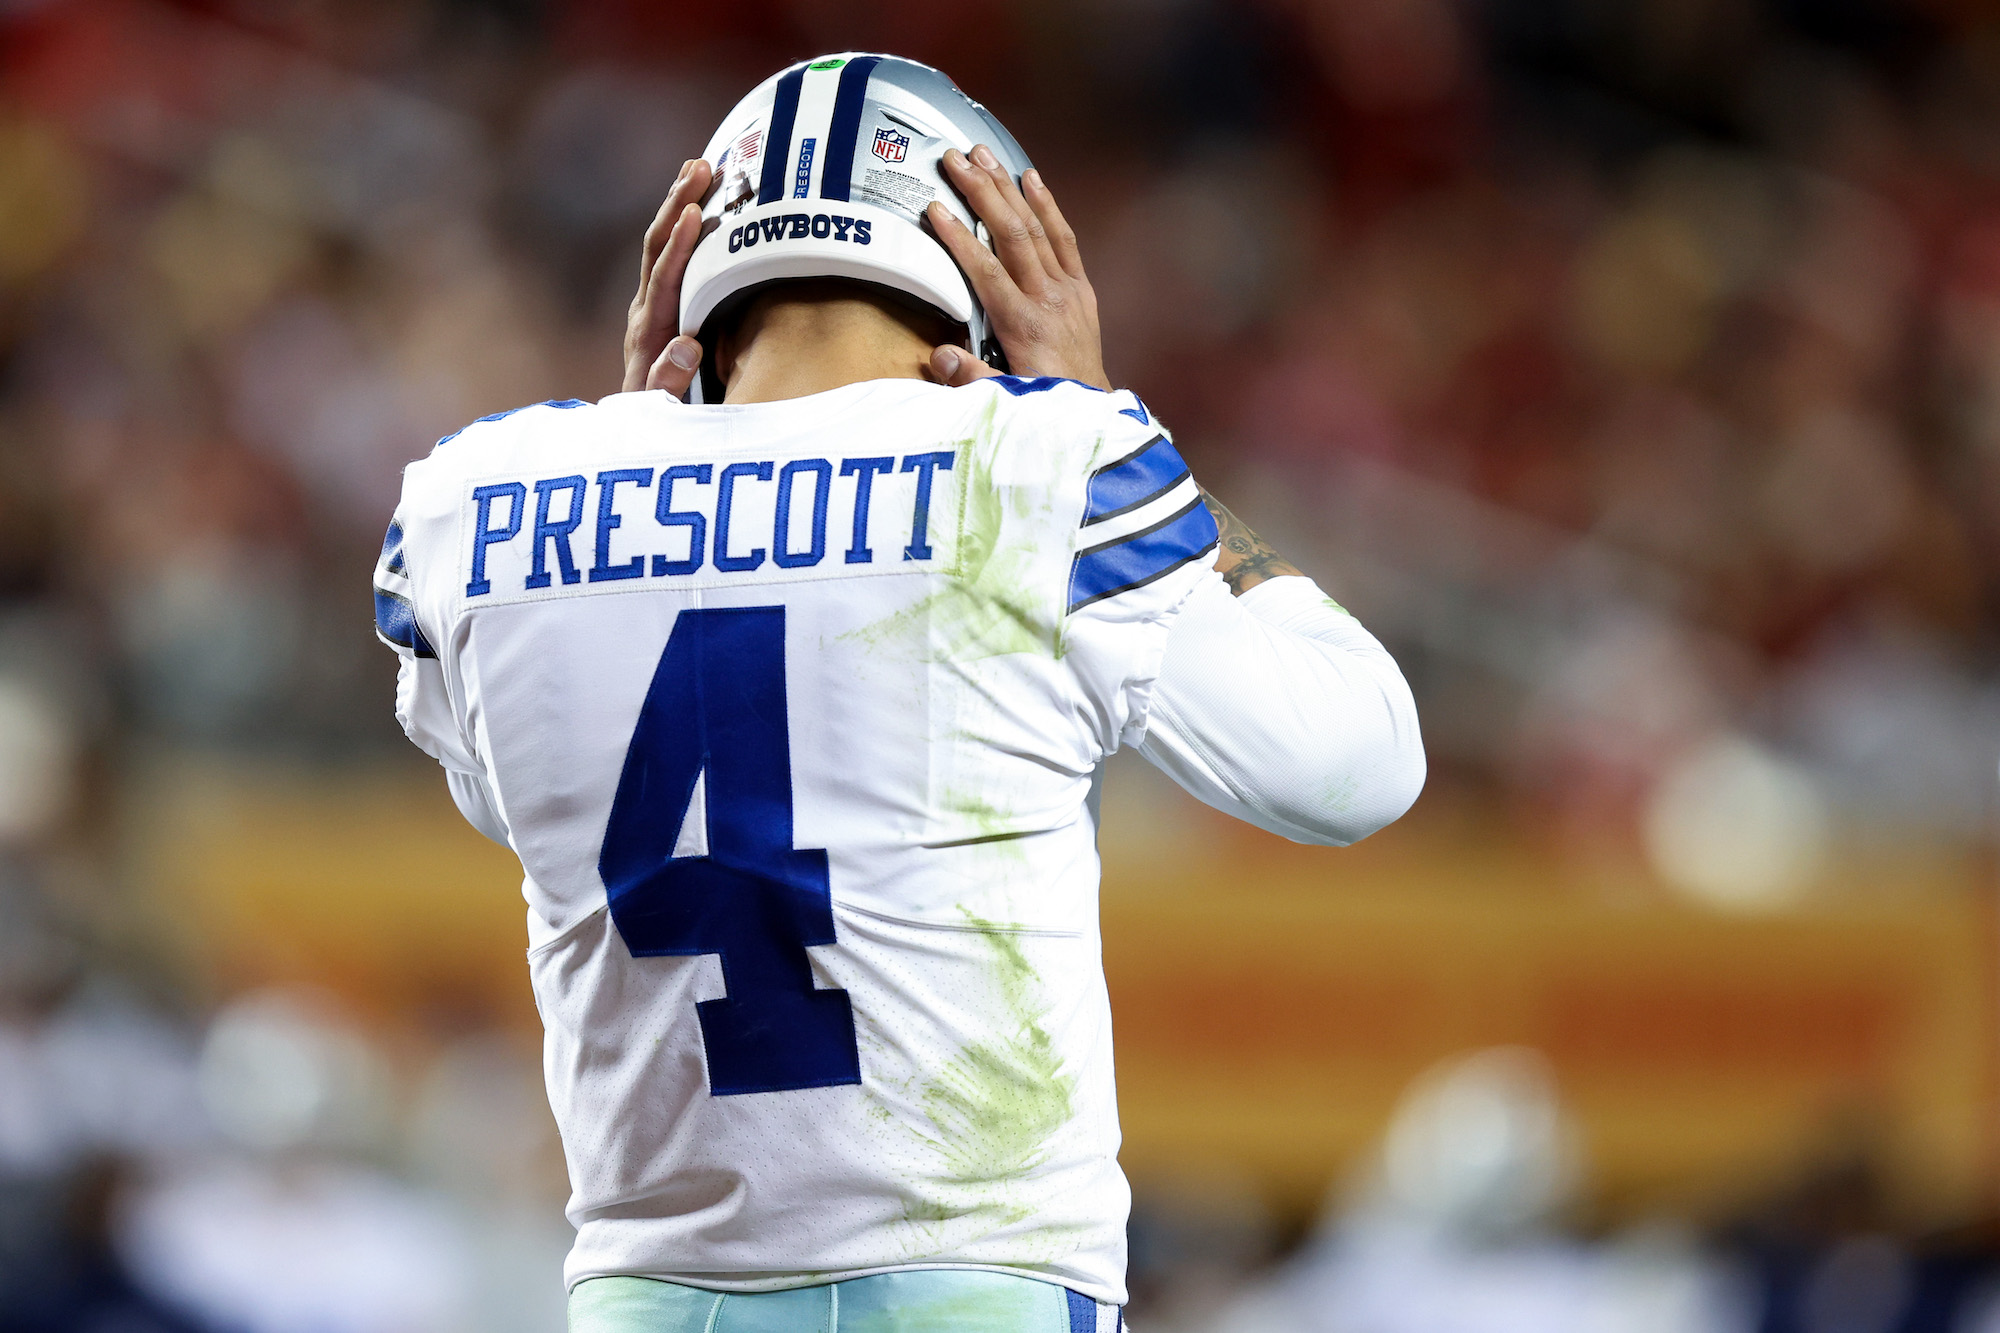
(891, 146)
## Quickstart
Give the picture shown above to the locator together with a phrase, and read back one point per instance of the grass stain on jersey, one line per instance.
(988, 818)
(993, 1107)
(992, 827)
(997, 1103)
(1001, 598)
(1341, 794)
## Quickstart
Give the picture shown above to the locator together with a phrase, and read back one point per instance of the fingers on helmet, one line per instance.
(989, 277)
(955, 366)
(662, 296)
(1012, 232)
(675, 369)
(1026, 226)
(688, 187)
(1062, 237)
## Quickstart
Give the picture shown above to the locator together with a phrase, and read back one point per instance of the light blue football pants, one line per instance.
(936, 1300)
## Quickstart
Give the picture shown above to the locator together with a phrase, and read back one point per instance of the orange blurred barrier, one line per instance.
(1269, 1001)
(365, 884)
(1270, 1005)
(1274, 1036)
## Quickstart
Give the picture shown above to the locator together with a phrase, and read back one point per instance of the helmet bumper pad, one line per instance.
(818, 238)
(824, 171)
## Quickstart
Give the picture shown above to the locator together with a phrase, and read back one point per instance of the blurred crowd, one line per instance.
(1632, 368)
(1463, 1220)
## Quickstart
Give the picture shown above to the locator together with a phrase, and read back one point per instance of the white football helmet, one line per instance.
(824, 171)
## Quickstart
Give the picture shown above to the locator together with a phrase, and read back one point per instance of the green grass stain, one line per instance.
(999, 598)
(1341, 794)
(994, 1106)
(990, 825)
(988, 818)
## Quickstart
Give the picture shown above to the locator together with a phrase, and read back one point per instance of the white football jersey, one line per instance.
(791, 711)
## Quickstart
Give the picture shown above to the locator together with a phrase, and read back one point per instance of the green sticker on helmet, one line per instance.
(826, 64)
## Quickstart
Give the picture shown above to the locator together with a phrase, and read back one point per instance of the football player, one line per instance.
(792, 699)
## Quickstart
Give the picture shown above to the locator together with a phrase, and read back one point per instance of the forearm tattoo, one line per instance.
(1245, 559)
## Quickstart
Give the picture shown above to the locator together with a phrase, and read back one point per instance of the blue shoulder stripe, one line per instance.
(1136, 560)
(502, 416)
(778, 142)
(392, 548)
(836, 173)
(1019, 387)
(1145, 474)
(396, 621)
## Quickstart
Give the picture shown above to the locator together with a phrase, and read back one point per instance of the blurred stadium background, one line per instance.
(1631, 366)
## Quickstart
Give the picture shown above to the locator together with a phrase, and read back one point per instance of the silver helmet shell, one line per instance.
(824, 171)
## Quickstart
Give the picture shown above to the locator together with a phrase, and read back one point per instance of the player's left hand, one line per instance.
(1031, 283)
(657, 354)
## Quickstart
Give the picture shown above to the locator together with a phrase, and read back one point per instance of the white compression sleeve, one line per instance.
(1279, 708)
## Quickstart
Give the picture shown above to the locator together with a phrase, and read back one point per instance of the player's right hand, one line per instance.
(1031, 283)
(657, 355)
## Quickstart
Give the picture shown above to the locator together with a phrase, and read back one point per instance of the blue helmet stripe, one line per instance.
(837, 172)
(778, 142)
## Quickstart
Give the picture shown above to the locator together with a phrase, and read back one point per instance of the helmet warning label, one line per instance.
(898, 190)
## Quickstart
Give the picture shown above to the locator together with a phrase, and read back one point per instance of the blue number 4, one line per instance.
(717, 706)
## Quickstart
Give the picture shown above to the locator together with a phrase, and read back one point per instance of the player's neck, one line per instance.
(791, 347)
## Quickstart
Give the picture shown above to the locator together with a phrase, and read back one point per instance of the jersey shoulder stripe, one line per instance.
(1140, 477)
(391, 559)
(395, 614)
(1021, 388)
(396, 623)
(1138, 558)
(502, 416)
